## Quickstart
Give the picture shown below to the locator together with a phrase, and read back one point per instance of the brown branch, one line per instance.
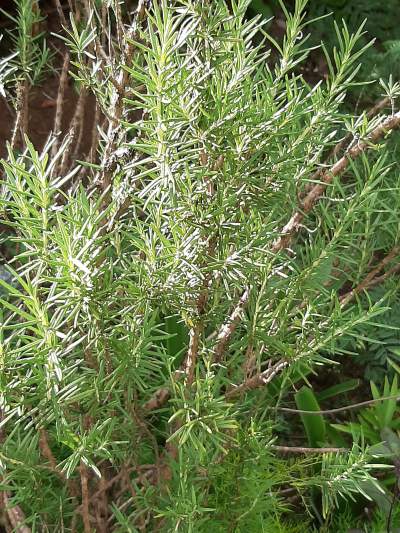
(260, 380)
(302, 450)
(60, 13)
(338, 409)
(191, 356)
(101, 502)
(380, 279)
(95, 134)
(15, 515)
(379, 106)
(345, 142)
(159, 398)
(162, 395)
(48, 454)
(109, 163)
(229, 327)
(105, 486)
(45, 450)
(60, 103)
(197, 329)
(76, 124)
(371, 278)
(21, 119)
(85, 497)
(249, 360)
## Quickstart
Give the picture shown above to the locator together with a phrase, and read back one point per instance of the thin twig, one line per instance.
(191, 356)
(60, 103)
(21, 119)
(380, 279)
(48, 454)
(108, 484)
(197, 330)
(95, 134)
(302, 450)
(260, 380)
(85, 497)
(229, 327)
(345, 142)
(15, 515)
(45, 450)
(75, 126)
(337, 409)
(109, 163)
(249, 360)
(370, 279)
(289, 230)
(101, 504)
(60, 12)
(159, 398)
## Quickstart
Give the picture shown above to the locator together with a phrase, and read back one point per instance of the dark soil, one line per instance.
(42, 98)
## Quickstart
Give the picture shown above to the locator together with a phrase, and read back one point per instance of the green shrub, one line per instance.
(172, 291)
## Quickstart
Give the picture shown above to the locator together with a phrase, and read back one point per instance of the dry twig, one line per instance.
(21, 119)
(85, 497)
(371, 278)
(260, 380)
(302, 450)
(60, 103)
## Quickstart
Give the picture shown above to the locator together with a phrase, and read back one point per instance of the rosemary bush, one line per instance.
(172, 290)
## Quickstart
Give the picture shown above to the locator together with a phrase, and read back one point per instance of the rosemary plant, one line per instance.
(173, 288)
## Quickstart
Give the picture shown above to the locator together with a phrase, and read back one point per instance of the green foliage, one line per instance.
(383, 415)
(382, 59)
(313, 424)
(31, 53)
(340, 388)
(262, 8)
(344, 477)
(378, 344)
(129, 269)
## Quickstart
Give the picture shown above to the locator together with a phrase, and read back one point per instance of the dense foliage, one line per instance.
(179, 295)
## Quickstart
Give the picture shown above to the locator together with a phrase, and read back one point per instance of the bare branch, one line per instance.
(302, 450)
(60, 103)
(345, 142)
(15, 515)
(60, 13)
(227, 329)
(191, 357)
(109, 162)
(85, 498)
(75, 128)
(159, 398)
(371, 278)
(338, 409)
(260, 380)
(21, 119)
